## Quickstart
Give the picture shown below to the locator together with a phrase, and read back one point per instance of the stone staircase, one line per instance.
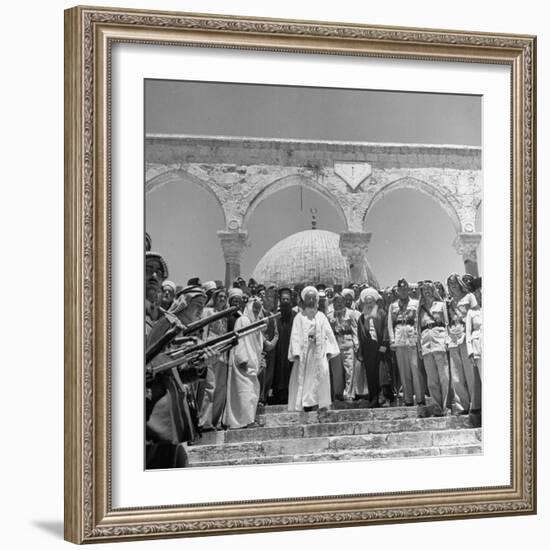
(349, 432)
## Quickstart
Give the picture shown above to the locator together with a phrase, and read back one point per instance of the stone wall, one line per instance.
(165, 149)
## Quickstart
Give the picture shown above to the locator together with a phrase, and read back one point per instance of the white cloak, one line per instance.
(312, 343)
(243, 386)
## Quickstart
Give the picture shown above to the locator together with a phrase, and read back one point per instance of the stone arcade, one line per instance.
(242, 172)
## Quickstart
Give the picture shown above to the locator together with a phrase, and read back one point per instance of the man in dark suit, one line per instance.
(373, 340)
(282, 366)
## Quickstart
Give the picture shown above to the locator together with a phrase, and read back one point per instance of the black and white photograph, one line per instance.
(313, 274)
(276, 234)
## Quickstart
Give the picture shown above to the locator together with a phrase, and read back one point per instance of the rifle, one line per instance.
(170, 335)
(192, 355)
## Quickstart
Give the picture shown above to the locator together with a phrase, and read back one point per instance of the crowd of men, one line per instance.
(306, 347)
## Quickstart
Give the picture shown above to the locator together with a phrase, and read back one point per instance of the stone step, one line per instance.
(354, 454)
(273, 409)
(273, 419)
(340, 405)
(330, 429)
(322, 445)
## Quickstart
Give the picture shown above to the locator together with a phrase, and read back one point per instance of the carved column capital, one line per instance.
(466, 244)
(354, 246)
(233, 243)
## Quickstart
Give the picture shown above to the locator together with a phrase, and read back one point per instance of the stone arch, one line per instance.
(421, 186)
(182, 176)
(291, 181)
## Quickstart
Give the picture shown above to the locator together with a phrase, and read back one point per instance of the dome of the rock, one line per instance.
(311, 256)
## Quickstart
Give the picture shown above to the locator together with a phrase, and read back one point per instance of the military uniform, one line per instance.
(402, 316)
(433, 340)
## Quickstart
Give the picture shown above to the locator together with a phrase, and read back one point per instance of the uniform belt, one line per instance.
(411, 323)
(432, 325)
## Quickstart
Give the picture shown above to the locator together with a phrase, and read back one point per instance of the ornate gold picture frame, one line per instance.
(90, 34)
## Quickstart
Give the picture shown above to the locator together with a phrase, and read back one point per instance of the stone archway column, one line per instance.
(233, 243)
(354, 246)
(466, 244)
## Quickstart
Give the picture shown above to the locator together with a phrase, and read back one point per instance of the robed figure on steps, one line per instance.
(312, 344)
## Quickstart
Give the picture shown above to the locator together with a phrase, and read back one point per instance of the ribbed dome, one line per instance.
(311, 256)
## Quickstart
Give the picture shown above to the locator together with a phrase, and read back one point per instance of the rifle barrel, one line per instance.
(201, 323)
(171, 335)
(221, 343)
(227, 336)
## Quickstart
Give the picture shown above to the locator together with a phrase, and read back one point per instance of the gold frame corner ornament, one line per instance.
(89, 34)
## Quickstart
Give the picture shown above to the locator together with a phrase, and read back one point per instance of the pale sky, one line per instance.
(411, 234)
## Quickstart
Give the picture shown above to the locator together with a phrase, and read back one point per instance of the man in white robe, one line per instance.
(312, 344)
(245, 363)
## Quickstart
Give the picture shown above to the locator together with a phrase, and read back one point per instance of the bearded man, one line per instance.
(312, 344)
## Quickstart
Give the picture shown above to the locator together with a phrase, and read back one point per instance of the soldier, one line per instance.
(432, 327)
(343, 366)
(474, 341)
(156, 272)
(403, 335)
(389, 297)
(414, 291)
(462, 368)
(171, 412)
